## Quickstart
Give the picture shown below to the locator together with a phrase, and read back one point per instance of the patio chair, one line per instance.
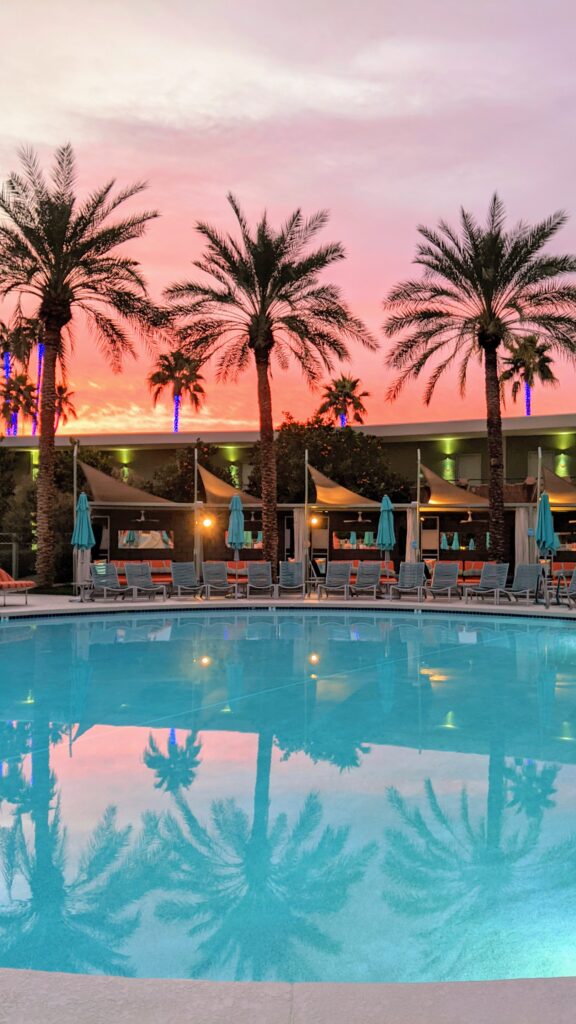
(410, 580)
(184, 579)
(215, 578)
(291, 578)
(568, 592)
(259, 578)
(139, 580)
(104, 580)
(492, 582)
(367, 579)
(8, 585)
(337, 580)
(527, 582)
(444, 580)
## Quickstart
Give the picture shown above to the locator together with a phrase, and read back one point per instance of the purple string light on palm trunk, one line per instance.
(7, 375)
(38, 387)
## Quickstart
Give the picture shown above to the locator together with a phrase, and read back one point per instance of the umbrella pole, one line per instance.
(75, 500)
(419, 460)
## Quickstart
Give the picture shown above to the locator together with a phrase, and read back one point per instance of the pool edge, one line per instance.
(31, 997)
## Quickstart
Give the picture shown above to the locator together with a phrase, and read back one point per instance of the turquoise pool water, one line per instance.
(291, 796)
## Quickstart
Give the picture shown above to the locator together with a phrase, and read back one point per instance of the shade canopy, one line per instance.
(560, 491)
(386, 538)
(83, 535)
(106, 490)
(218, 492)
(235, 535)
(442, 492)
(546, 539)
(332, 495)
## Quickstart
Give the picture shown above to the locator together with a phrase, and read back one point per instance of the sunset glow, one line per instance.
(387, 115)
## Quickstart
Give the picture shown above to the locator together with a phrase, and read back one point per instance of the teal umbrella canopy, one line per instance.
(83, 536)
(546, 539)
(471, 544)
(385, 538)
(443, 542)
(455, 542)
(235, 537)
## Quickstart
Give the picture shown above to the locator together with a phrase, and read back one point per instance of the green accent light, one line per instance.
(449, 469)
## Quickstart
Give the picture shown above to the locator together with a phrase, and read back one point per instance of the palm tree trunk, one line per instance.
(40, 763)
(262, 786)
(496, 793)
(45, 492)
(495, 453)
(268, 462)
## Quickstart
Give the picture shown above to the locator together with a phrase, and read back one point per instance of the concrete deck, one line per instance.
(28, 997)
(42, 604)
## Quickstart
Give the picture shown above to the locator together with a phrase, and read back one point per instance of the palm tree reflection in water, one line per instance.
(252, 894)
(465, 878)
(74, 924)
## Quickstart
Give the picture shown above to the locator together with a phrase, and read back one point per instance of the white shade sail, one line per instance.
(332, 495)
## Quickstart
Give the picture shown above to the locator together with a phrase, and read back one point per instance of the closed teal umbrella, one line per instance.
(455, 542)
(83, 536)
(443, 542)
(545, 536)
(386, 538)
(235, 537)
(471, 544)
(83, 540)
(368, 538)
(353, 539)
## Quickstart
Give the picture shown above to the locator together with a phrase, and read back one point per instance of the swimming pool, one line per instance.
(335, 796)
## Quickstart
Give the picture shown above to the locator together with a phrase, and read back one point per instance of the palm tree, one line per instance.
(18, 398)
(60, 253)
(177, 768)
(482, 287)
(262, 300)
(16, 344)
(529, 360)
(531, 789)
(64, 406)
(180, 372)
(341, 397)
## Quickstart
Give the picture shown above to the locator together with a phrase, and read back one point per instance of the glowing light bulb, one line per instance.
(314, 658)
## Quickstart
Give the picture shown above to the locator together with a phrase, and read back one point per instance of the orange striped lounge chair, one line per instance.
(8, 585)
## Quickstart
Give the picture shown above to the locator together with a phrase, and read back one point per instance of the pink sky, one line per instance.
(387, 114)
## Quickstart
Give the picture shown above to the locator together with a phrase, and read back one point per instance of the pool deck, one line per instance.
(29, 997)
(42, 604)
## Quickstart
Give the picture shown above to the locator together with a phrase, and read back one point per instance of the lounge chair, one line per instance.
(492, 582)
(215, 577)
(259, 578)
(444, 580)
(104, 580)
(184, 579)
(367, 579)
(527, 582)
(139, 580)
(410, 580)
(8, 585)
(291, 578)
(568, 591)
(337, 580)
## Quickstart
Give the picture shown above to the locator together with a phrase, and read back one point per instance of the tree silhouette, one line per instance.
(458, 875)
(176, 769)
(251, 896)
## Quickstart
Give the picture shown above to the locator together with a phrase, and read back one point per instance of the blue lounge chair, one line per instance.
(492, 582)
(337, 579)
(105, 582)
(291, 578)
(184, 579)
(411, 580)
(139, 580)
(259, 578)
(215, 578)
(444, 580)
(367, 579)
